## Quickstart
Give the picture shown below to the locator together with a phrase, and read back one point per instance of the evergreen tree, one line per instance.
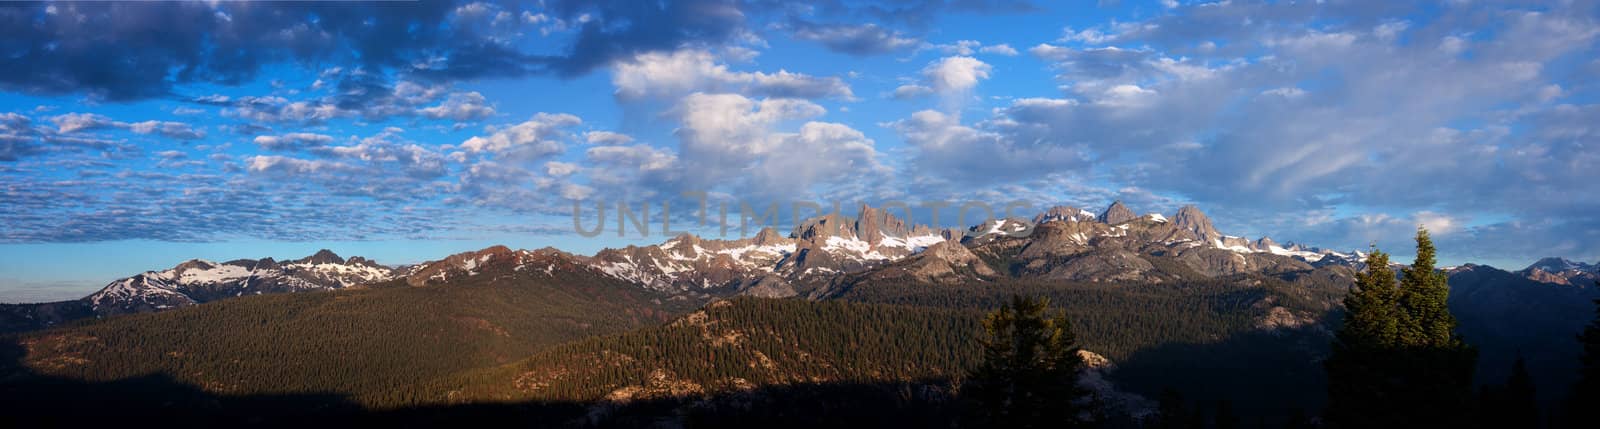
(1397, 360)
(1426, 320)
(1583, 404)
(1436, 364)
(1029, 375)
(1361, 374)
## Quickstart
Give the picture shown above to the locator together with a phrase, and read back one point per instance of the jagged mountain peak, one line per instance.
(197, 281)
(684, 241)
(497, 259)
(767, 235)
(323, 256)
(875, 224)
(1191, 219)
(821, 227)
(1117, 213)
(1556, 265)
(1066, 214)
(194, 264)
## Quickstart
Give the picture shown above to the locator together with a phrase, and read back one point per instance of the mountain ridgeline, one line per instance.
(865, 319)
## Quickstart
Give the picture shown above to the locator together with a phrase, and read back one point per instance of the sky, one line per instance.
(137, 135)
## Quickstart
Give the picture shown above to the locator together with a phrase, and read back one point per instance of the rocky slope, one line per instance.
(769, 264)
(197, 281)
(815, 257)
(1562, 271)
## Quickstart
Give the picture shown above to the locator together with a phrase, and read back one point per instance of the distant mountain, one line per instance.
(1061, 243)
(199, 281)
(769, 264)
(1511, 314)
(1562, 271)
(816, 255)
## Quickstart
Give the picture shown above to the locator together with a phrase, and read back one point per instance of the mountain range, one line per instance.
(817, 257)
(875, 307)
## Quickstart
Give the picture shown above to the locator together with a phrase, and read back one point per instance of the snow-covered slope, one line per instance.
(197, 281)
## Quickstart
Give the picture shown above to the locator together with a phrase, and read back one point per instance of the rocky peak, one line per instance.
(1189, 218)
(1265, 243)
(323, 256)
(1065, 214)
(873, 224)
(1556, 265)
(819, 228)
(1117, 213)
(357, 260)
(767, 236)
(684, 244)
(194, 264)
(266, 263)
(953, 252)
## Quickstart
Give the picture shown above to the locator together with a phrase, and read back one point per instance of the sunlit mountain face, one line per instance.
(621, 212)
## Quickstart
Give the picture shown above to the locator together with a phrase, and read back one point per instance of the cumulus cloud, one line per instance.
(461, 107)
(1000, 49)
(769, 148)
(909, 91)
(602, 137)
(971, 47)
(358, 94)
(537, 137)
(955, 74)
(78, 122)
(293, 141)
(681, 72)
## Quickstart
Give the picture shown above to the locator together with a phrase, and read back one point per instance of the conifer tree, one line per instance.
(1030, 370)
(1424, 291)
(1397, 360)
(1583, 404)
(1436, 363)
(1361, 373)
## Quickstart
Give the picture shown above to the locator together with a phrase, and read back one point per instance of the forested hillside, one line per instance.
(1257, 344)
(738, 344)
(352, 342)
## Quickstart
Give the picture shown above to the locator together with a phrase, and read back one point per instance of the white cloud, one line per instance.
(911, 91)
(956, 74)
(536, 137)
(728, 140)
(560, 169)
(606, 138)
(293, 141)
(670, 74)
(79, 122)
(461, 106)
(1000, 49)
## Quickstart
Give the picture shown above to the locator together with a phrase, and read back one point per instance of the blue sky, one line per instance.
(136, 135)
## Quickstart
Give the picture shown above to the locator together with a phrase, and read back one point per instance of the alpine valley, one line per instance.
(864, 318)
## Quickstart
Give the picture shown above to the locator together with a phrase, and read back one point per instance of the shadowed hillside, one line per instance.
(364, 343)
